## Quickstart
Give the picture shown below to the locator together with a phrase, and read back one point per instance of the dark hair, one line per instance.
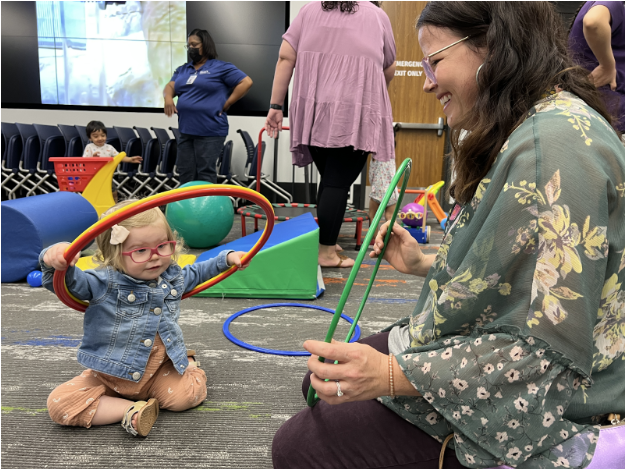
(349, 7)
(526, 57)
(208, 46)
(95, 126)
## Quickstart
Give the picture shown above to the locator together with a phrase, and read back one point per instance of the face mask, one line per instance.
(194, 54)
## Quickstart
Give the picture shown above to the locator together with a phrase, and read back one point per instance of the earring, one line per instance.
(478, 71)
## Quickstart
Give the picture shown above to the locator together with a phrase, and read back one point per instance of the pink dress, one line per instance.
(339, 96)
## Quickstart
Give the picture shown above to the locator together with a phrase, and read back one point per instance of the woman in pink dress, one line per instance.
(344, 58)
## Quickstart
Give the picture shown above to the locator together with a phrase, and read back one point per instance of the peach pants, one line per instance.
(75, 402)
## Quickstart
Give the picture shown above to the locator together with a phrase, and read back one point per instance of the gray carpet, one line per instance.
(250, 395)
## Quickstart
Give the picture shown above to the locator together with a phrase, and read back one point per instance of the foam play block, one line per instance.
(285, 268)
(86, 262)
(31, 224)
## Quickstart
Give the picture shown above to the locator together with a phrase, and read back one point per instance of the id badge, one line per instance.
(192, 78)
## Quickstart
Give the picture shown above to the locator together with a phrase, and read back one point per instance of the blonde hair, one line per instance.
(111, 255)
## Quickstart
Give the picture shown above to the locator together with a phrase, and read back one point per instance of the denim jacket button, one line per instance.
(147, 343)
(164, 286)
(131, 298)
(157, 311)
(136, 376)
(174, 292)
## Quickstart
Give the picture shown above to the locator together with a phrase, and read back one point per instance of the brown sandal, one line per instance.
(192, 353)
(342, 258)
(147, 414)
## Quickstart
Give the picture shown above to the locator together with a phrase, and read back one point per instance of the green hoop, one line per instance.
(405, 169)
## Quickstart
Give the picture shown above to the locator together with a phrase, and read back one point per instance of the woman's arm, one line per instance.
(282, 77)
(168, 95)
(238, 92)
(597, 31)
(389, 73)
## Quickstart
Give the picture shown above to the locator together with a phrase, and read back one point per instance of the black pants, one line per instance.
(197, 157)
(364, 434)
(338, 168)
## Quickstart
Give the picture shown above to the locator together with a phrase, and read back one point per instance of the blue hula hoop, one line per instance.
(229, 335)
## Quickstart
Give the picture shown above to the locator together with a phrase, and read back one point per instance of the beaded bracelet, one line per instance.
(392, 393)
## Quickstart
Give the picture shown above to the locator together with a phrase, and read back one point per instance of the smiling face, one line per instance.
(148, 236)
(455, 70)
(99, 138)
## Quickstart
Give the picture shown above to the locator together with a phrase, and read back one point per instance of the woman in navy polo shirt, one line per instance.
(206, 88)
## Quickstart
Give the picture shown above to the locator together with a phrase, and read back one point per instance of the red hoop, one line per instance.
(158, 200)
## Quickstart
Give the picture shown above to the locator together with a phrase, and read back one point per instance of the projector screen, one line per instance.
(119, 55)
(108, 53)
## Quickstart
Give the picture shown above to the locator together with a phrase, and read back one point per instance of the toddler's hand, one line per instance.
(136, 159)
(54, 257)
(234, 259)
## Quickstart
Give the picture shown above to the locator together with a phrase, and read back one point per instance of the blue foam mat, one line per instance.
(284, 231)
(31, 224)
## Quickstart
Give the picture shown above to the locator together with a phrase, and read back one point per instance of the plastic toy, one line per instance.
(203, 222)
(91, 175)
(34, 278)
(412, 214)
(229, 335)
(123, 213)
(430, 194)
(405, 169)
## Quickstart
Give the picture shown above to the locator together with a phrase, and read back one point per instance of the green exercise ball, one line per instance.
(203, 222)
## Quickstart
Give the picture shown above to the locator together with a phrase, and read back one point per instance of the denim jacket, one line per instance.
(125, 314)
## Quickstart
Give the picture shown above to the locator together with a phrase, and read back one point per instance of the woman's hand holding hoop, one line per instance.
(362, 371)
(403, 251)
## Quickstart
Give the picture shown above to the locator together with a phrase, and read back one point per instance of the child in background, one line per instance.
(97, 133)
(381, 174)
(132, 345)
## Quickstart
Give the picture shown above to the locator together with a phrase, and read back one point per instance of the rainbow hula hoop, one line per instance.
(405, 169)
(83, 240)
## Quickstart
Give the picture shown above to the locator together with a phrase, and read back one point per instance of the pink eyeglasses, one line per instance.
(428, 70)
(142, 255)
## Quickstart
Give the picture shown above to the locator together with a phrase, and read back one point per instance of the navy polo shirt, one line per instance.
(200, 102)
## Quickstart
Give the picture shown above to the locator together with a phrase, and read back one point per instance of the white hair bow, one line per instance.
(118, 234)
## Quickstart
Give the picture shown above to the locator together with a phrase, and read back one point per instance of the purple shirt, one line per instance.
(339, 96)
(583, 55)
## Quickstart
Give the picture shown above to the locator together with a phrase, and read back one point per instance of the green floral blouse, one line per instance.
(518, 335)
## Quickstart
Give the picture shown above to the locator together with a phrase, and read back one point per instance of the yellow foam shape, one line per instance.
(98, 191)
(184, 260)
(86, 262)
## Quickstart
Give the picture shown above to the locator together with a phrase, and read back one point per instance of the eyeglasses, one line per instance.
(428, 70)
(142, 255)
(195, 46)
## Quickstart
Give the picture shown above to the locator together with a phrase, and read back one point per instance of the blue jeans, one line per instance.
(197, 157)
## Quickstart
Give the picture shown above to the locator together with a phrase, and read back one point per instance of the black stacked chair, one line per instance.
(11, 158)
(131, 144)
(146, 173)
(251, 167)
(73, 142)
(166, 170)
(31, 149)
(52, 144)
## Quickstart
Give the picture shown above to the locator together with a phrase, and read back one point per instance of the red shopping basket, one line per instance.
(75, 173)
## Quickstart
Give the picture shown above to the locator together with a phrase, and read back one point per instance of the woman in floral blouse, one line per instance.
(516, 345)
